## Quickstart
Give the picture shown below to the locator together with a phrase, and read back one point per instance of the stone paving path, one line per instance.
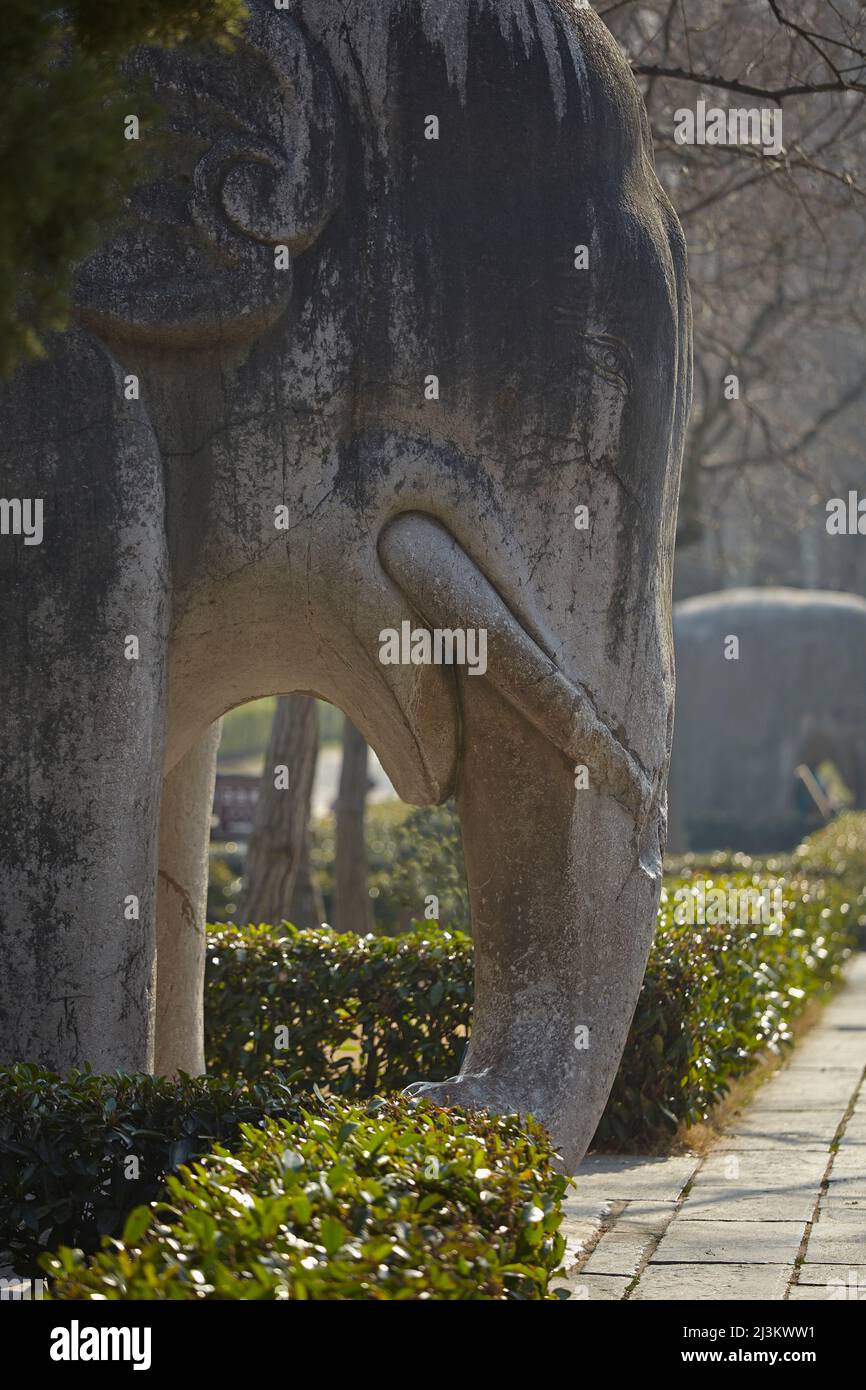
(776, 1209)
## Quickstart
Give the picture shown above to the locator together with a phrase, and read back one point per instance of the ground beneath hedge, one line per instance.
(776, 1209)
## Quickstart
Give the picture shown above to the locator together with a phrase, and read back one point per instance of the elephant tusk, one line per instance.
(445, 586)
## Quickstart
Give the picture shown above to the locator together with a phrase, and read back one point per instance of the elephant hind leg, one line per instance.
(184, 831)
(83, 627)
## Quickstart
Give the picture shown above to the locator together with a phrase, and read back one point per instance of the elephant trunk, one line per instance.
(564, 880)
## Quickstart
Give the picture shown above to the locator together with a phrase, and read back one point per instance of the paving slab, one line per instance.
(808, 1090)
(729, 1242)
(632, 1177)
(579, 1237)
(836, 1242)
(813, 1054)
(585, 1207)
(853, 1275)
(726, 1282)
(815, 1293)
(733, 1202)
(594, 1288)
(849, 1162)
(582, 1219)
(619, 1252)
(773, 1141)
(650, 1217)
(834, 1054)
(759, 1169)
(815, 1127)
(844, 1184)
(855, 1128)
(848, 1212)
(832, 1206)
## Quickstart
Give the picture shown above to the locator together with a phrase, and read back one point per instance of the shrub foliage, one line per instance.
(78, 1153)
(839, 848)
(395, 1201)
(717, 996)
(355, 1015)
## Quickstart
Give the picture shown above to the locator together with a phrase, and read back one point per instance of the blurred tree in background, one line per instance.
(413, 854)
(279, 849)
(776, 242)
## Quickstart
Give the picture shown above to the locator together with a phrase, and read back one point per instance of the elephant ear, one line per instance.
(247, 166)
(276, 180)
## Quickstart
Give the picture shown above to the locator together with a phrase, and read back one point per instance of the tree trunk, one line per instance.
(308, 907)
(275, 854)
(351, 899)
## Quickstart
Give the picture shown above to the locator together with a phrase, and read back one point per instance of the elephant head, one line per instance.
(406, 280)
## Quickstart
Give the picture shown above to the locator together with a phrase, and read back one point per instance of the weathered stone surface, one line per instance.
(775, 1129)
(651, 1217)
(819, 1063)
(582, 1209)
(81, 727)
(744, 725)
(733, 1202)
(730, 1242)
(849, 1165)
(582, 1218)
(809, 1091)
(835, 1291)
(846, 1180)
(855, 1128)
(284, 291)
(842, 1208)
(829, 1277)
(593, 1288)
(837, 1242)
(761, 1169)
(184, 835)
(728, 1282)
(619, 1252)
(579, 1236)
(631, 1178)
(849, 1211)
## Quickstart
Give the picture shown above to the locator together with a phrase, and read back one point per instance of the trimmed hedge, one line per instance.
(716, 997)
(66, 1145)
(839, 848)
(397, 1201)
(362, 1014)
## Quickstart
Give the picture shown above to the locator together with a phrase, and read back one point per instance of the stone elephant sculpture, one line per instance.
(795, 694)
(375, 384)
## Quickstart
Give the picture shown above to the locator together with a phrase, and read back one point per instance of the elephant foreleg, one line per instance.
(559, 954)
(82, 695)
(184, 831)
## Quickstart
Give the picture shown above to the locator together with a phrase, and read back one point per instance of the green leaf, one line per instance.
(136, 1224)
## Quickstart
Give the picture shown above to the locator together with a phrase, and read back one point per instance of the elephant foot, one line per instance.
(499, 1093)
(477, 1091)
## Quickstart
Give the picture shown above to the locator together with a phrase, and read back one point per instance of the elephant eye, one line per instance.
(609, 358)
